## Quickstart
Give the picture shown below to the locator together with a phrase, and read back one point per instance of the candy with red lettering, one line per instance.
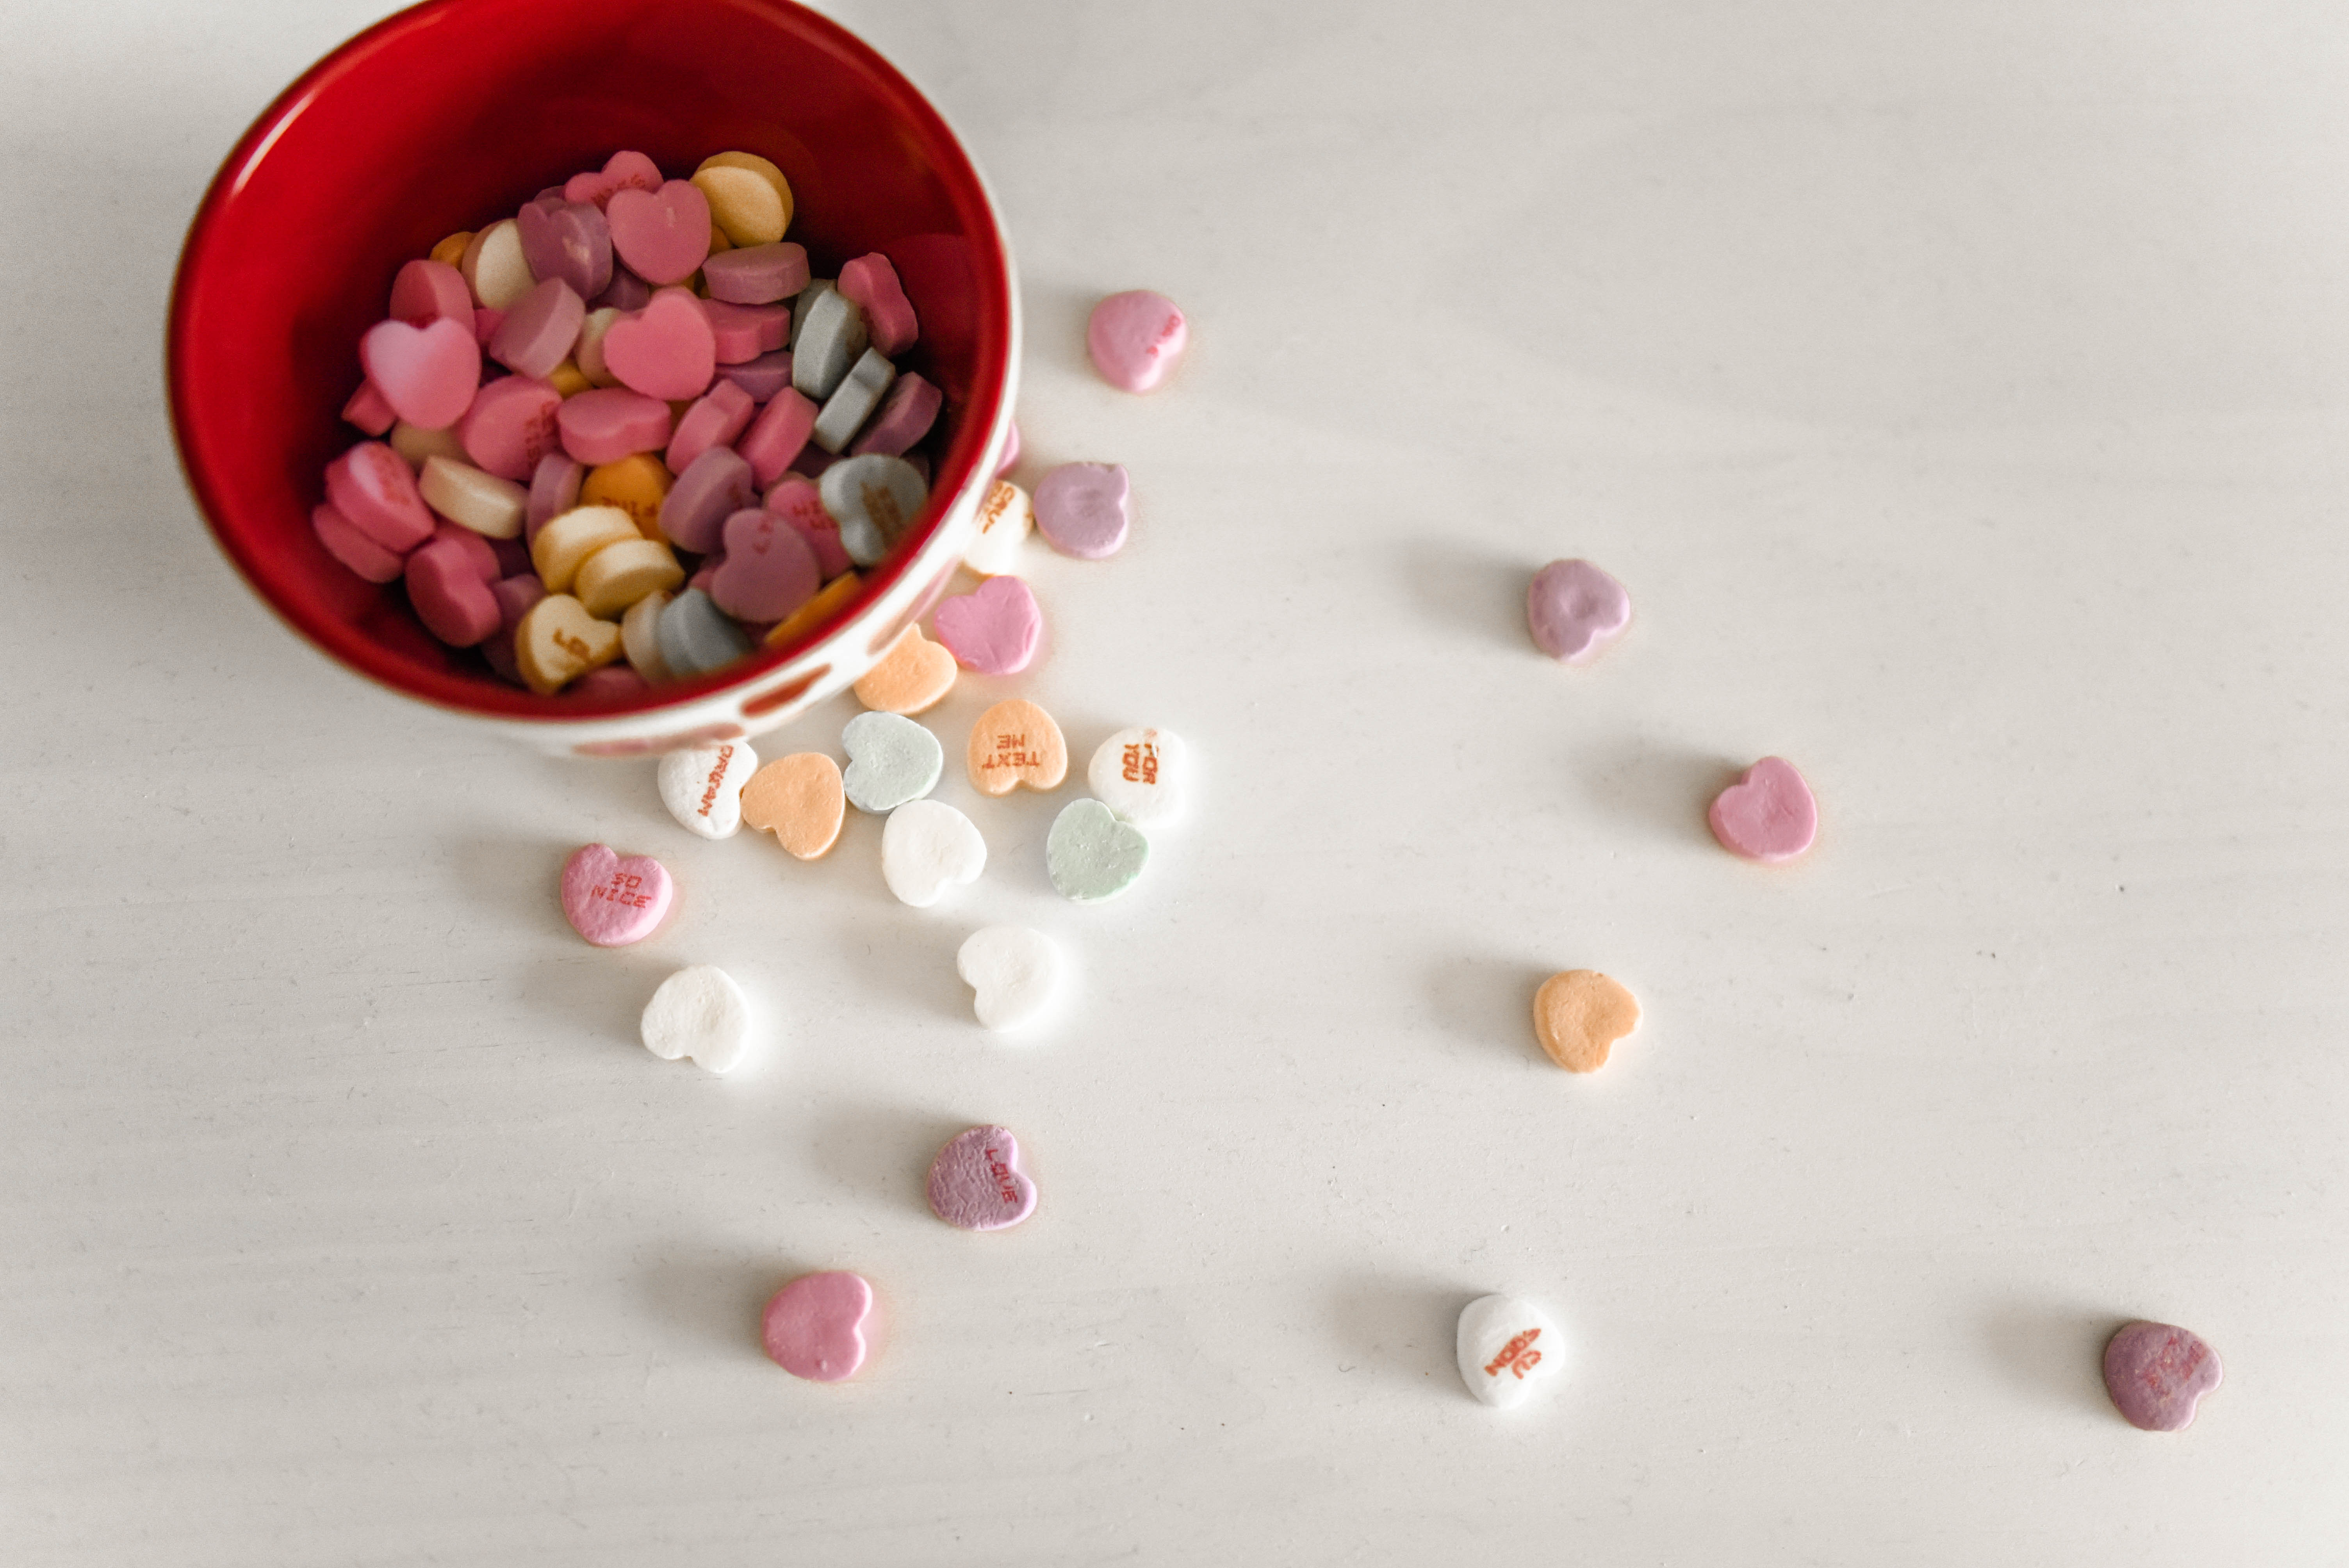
(1014, 743)
(698, 1012)
(1508, 1347)
(1005, 520)
(611, 900)
(2157, 1373)
(976, 1184)
(1139, 774)
(1135, 338)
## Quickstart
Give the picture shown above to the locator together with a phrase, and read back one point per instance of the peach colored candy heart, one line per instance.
(1580, 1015)
(665, 350)
(1016, 743)
(913, 678)
(800, 799)
(1768, 815)
(614, 901)
(814, 1326)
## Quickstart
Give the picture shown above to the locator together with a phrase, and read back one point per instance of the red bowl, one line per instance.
(455, 113)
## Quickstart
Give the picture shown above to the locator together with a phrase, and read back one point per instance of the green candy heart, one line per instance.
(890, 760)
(1094, 853)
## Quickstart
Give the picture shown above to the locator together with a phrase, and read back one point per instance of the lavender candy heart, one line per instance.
(2157, 1373)
(1575, 611)
(625, 291)
(696, 636)
(757, 274)
(567, 240)
(762, 378)
(714, 487)
(1080, 509)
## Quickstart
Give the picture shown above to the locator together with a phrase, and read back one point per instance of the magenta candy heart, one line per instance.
(1135, 338)
(604, 424)
(1768, 815)
(537, 334)
(2157, 1373)
(665, 350)
(478, 554)
(375, 490)
(993, 631)
(426, 373)
(612, 901)
(976, 1182)
(814, 1326)
(450, 595)
(351, 547)
(721, 415)
(1080, 509)
(662, 235)
(513, 424)
(568, 240)
(768, 570)
(621, 171)
(757, 274)
(1576, 611)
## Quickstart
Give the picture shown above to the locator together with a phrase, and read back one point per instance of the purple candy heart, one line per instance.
(566, 240)
(1080, 509)
(768, 570)
(714, 486)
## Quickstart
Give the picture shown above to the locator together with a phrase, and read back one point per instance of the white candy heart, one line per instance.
(927, 848)
(698, 1013)
(1507, 1345)
(1014, 971)
(1139, 775)
(1006, 519)
(702, 786)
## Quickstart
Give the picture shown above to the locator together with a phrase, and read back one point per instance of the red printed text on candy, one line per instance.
(625, 889)
(1518, 1355)
(1141, 763)
(1011, 751)
(717, 773)
(1002, 1174)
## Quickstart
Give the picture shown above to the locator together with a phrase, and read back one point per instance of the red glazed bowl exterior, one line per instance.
(457, 111)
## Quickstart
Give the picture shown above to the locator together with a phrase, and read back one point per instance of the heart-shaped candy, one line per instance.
(1139, 774)
(696, 636)
(1768, 815)
(890, 760)
(750, 200)
(621, 171)
(1507, 1346)
(698, 1012)
(905, 418)
(1135, 338)
(373, 490)
(828, 336)
(1080, 509)
(426, 291)
(800, 799)
(874, 499)
(612, 901)
(912, 677)
(814, 1326)
(1005, 520)
(1575, 611)
(976, 1182)
(536, 336)
(1012, 973)
(871, 283)
(993, 631)
(557, 640)
(570, 241)
(514, 424)
(1016, 743)
(427, 374)
(702, 786)
(1580, 1015)
(451, 596)
(662, 235)
(928, 847)
(2157, 1373)
(665, 350)
(769, 570)
(756, 274)
(1091, 854)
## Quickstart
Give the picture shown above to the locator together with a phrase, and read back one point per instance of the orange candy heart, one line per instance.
(915, 677)
(1578, 1016)
(1017, 743)
(797, 799)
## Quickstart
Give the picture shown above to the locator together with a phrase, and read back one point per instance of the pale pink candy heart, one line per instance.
(612, 901)
(1135, 338)
(665, 350)
(814, 1326)
(426, 373)
(662, 235)
(993, 631)
(976, 1182)
(450, 595)
(621, 171)
(767, 570)
(1768, 815)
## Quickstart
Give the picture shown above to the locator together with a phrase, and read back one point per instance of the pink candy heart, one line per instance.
(993, 631)
(976, 1182)
(514, 423)
(814, 1326)
(613, 901)
(622, 172)
(426, 373)
(665, 350)
(662, 235)
(768, 570)
(452, 598)
(1080, 509)
(1575, 611)
(1768, 815)
(1135, 338)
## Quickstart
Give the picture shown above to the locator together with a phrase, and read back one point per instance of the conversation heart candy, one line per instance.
(1016, 743)
(554, 487)
(372, 560)
(713, 488)
(512, 423)
(702, 786)
(368, 411)
(427, 374)
(717, 419)
(698, 1012)
(1012, 972)
(622, 172)
(665, 350)
(1580, 1015)
(853, 401)
(778, 435)
(993, 631)
(566, 240)
(801, 801)
(1091, 854)
(905, 418)
(743, 332)
(611, 900)
(1575, 611)
(372, 488)
(926, 847)
(609, 425)
(825, 340)
(450, 595)
(536, 336)
(748, 197)
(870, 283)
(817, 614)
(757, 273)
(617, 576)
(697, 636)
(814, 1326)
(763, 378)
(566, 543)
(2157, 1373)
(494, 267)
(1135, 338)
(1005, 519)
(912, 677)
(486, 504)
(890, 760)
(1768, 815)
(1138, 774)
(414, 444)
(424, 292)
(662, 235)
(976, 1182)
(874, 499)
(557, 640)
(1080, 509)
(1506, 1347)
(769, 569)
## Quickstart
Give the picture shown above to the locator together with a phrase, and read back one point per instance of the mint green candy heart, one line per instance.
(1094, 853)
(890, 760)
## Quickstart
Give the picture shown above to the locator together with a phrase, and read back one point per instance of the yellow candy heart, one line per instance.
(913, 678)
(800, 799)
(558, 641)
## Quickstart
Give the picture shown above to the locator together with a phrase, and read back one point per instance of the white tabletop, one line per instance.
(1960, 392)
